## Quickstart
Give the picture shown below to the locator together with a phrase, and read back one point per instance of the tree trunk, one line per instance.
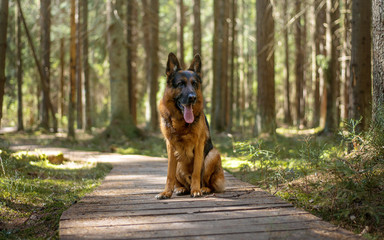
(220, 66)
(360, 80)
(87, 88)
(378, 62)
(121, 122)
(333, 71)
(319, 39)
(265, 118)
(346, 56)
(79, 83)
(39, 68)
(19, 73)
(61, 97)
(3, 48)
(233, 56)
(180, 32)
(299, 65)
(45, 43)
(72, 74)
(196, 28)
(132, 34)
(287, 101)
(151, 43)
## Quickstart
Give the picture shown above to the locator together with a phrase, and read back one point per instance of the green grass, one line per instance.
(318, 174)
(34, 193)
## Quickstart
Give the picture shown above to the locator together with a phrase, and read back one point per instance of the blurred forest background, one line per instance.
(267, 64)
(294, 93)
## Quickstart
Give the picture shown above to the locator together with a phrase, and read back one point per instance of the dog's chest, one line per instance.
(184, 149)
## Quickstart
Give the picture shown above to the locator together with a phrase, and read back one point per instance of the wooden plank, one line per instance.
(124, 207)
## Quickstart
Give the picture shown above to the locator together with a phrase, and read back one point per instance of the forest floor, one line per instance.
(312, 172)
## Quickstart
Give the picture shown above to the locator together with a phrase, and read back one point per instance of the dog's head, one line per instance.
(185, 85)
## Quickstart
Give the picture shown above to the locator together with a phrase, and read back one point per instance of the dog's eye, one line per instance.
(194, 84)
(180, 84)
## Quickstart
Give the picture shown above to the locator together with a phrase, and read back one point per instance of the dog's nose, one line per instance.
(191, 98)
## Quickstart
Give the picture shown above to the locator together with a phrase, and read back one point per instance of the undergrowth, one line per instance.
(34, 193)
(340, 179)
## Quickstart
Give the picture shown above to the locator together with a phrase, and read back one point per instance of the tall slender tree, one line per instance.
(132, 35)
(378, 62)
(233, 56)
(43, 82)
(79, 81)
(333, 71)
(319, 52)
(196, 28)
(45, 49)
(287, 100)
(220, 66)
(360, 82)
(346, 49)
(19, 72)
(180, 32)
(265, 117)
(151, 45)
(61, 96)
(87, 88)
(121, 122)
(72, 73)
(299, 64)
(3, 48)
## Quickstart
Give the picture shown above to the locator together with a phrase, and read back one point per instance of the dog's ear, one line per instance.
(196, 65)
(173, 64)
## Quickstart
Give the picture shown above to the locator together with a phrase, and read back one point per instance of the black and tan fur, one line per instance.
(194, 165)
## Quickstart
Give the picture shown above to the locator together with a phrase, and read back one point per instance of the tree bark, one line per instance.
(151, 43)
(61, 96)
(39, 68)
(72, 73)
(299, 65)
(346, 56)
(19, 73)
(265, 118)
(320, 52)
(3, 48)
(196, 28)
(233, 56)
(79, 83)
(287, 99)
(333, 71)
(360, 80)
(180, 32)
(87, 88)
(378, 63)
(220, 66)
(132, 34)
(45, 45)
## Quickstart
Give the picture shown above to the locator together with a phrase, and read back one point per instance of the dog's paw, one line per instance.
(164, 195)
(196, 193)
(181, 191)
(206, 190)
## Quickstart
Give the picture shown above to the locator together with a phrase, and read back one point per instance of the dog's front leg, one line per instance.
(171, 174)
(196, 174)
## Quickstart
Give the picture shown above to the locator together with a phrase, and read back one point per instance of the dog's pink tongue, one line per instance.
(188, 114)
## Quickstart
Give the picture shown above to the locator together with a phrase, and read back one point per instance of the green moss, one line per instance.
(35, 193)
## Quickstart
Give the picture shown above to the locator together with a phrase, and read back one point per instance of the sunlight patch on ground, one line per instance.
(294, 131)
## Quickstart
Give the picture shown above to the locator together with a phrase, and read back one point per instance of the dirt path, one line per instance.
(124, 207)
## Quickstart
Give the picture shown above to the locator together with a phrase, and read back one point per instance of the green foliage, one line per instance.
(34, 193)
(320, 174)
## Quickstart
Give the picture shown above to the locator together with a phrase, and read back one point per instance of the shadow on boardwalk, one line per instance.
(124, 207)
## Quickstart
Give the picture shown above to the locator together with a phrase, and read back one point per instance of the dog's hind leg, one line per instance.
(213, 178)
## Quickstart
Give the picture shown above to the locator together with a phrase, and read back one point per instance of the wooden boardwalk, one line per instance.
(124, 207)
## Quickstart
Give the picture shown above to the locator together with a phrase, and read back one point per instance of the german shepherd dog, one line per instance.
(194, 165)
